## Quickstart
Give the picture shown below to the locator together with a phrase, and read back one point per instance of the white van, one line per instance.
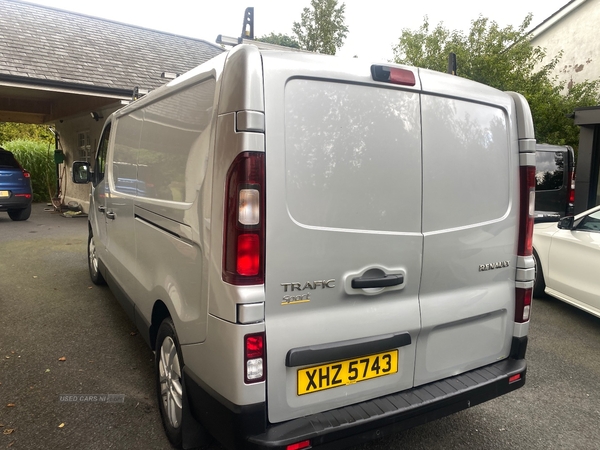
(321, 251)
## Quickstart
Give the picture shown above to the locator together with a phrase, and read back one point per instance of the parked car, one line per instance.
(15, 187)
(567, 256)
(554, 182)
(331, 250)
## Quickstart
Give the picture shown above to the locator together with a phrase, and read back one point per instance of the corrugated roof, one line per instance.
(42, 43)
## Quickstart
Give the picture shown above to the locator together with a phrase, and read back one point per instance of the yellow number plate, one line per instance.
(350, 371)
(4, 194)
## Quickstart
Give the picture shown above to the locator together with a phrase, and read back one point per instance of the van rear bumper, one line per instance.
(373, 419)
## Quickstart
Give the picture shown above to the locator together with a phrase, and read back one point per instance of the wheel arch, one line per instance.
(160, 312)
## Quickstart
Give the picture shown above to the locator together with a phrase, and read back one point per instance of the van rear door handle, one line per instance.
(110, 215)
(102, 209)
(377, 282)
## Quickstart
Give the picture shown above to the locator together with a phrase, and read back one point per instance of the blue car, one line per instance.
(15, 187)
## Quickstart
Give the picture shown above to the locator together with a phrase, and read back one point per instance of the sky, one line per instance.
(374, 26)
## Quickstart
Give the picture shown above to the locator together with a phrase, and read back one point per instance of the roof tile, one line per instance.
(39, 42)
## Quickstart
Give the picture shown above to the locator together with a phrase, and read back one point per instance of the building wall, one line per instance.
(69, 131)
(576, 36)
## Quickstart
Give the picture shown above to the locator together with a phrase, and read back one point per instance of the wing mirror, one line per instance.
(566, 223)
(81, 172)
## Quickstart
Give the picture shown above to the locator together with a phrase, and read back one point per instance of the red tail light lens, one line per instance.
(514, 378)
(244, 233)
(254, 358)
(26, 174)
(255, 346)
(527, 179)
(299, 446)
(248, 255)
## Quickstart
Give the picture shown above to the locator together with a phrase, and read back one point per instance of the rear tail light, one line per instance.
(527, 207)
(525, 244)
(248, 255)
(26, 174)
(23, 195)
(571, 188)
(523, 304)
(303, 445)
(244, 233)
(254, 358)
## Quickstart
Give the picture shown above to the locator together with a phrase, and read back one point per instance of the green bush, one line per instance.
(38, 159)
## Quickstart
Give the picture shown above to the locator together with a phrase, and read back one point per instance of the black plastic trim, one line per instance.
(127, 304)
(227, 422)
(246, 427)
(337, 351)
(379, 282)
(382, 416)
(518, 347)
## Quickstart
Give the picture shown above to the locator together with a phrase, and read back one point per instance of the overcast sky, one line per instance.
(374, 26)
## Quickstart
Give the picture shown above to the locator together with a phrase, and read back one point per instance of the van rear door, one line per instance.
(470, 226)
(344, 242)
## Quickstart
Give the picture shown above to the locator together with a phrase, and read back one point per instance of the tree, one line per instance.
(10, 131)
(280, 39)
(321, 27)
(503, 58)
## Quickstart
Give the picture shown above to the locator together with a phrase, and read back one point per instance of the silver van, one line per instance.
(319, 250)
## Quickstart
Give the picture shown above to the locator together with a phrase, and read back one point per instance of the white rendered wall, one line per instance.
(576, 35)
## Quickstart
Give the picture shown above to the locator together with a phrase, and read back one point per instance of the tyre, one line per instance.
(539, 285)
(20, 214)
(93, 263)
(169, 385)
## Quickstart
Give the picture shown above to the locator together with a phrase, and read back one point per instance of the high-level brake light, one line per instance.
(394, 75)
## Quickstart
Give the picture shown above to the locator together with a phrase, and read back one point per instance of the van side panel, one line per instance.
(121, 177)
(158, 199)
(173, 163)
(219, 361)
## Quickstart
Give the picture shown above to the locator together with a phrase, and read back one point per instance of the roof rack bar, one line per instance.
(248, 26)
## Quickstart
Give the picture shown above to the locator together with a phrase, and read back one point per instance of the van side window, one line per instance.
(549, 173)
(100, 165)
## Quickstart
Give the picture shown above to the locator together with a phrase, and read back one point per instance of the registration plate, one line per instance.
(4, 194)
(350, 371)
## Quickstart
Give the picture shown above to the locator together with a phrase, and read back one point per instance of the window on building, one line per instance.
(84, 145)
